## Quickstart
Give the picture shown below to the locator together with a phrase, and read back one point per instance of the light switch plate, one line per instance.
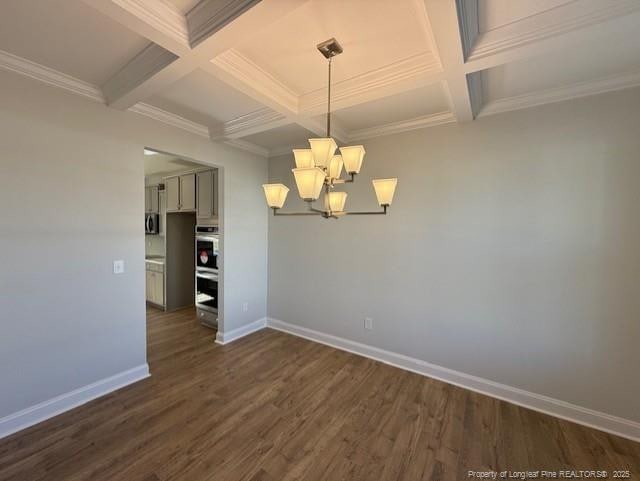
(118, 266)
(368, 323)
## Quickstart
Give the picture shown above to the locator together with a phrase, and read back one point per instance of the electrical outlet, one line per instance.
(368, 323)
(245, 307)
(118, 267)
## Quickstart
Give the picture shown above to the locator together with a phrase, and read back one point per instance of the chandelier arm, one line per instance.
(275, 212)
(381, 212)
(318, 211)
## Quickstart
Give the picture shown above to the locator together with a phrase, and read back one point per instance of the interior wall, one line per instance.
(71, 202)
(511, 251)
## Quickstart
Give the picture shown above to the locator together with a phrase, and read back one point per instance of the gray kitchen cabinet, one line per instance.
(207, 200)
(172, 193)
(149, 285)
(181, 193)
(151, 205)
(188, 192)
(162, 204)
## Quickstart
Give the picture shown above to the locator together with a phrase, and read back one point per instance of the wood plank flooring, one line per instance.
(273, 407)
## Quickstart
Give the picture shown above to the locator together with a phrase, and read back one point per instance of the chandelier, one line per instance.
(320, 168)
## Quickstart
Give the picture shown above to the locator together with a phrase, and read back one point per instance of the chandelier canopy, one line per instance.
(319, 168)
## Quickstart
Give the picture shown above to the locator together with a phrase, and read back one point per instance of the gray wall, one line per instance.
(72, 201)
(511, 252)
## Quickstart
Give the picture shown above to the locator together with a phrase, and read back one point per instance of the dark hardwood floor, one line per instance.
(273, 407)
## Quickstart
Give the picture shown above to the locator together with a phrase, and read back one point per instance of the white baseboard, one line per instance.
(554, 407)
(227, 337)
(52, 407)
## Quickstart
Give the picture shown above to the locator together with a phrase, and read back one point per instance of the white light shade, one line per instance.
(335, 167)
(276, 194)
(304, 158)
(385, 189)
(334, 201)
(323, 150)
(309, 181)
(352, 158)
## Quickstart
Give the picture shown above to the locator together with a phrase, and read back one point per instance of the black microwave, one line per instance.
(151, 223)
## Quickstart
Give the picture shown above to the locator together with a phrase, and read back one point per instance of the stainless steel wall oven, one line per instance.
(206, 260)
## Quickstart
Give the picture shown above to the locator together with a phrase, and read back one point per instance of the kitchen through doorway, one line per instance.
(183, 236)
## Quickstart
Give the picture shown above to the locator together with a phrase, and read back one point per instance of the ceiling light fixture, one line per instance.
(320, 167)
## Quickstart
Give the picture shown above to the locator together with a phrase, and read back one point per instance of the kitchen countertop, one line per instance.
(155, 259)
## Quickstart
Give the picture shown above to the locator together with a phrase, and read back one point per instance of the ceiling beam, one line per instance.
(244, 75)
(448, 34)
(125, 88)
(218, 26)
(214, 27)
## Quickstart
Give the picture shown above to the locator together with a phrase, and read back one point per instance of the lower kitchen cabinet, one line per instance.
(155, 286)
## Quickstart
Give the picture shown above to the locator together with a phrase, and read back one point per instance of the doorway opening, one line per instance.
(183, 237)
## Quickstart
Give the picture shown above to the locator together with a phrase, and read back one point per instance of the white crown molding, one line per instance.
(170, 119)
(162, 15)
(160, 20)
(58, 79)
(550, 23)
(209, 16)
(247, 76)
(561, 409)
(247, 146)
(422, 122)
(559, 94)
(230, 336)
(251, 123)
(49, 76)
(413, 72)
(288, 149)
(52, 407)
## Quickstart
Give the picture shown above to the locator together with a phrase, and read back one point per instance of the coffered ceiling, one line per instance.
(247, 72)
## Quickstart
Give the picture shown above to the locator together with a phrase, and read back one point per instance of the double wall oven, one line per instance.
(207, 252)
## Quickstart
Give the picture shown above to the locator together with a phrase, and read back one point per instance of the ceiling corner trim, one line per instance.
(559, 94)
(254, 122)
(561, 20)
(421, 122)
(248, 146)
(170, 119)
(277, 152)
(50, 76)
(412, 72)
(209, 16)
(159, 20)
